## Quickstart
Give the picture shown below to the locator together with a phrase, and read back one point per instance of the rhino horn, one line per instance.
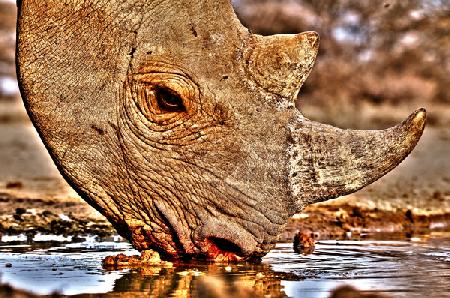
(281, 63)
(327, 162)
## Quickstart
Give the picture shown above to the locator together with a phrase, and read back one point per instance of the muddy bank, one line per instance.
(344, 221)
(29, 217)
(26, 216)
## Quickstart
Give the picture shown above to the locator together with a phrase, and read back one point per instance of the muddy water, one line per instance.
(393, 268)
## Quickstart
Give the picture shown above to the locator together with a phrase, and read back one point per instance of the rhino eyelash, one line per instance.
(168, 101)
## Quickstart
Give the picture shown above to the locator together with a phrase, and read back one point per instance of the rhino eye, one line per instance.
(168, 101)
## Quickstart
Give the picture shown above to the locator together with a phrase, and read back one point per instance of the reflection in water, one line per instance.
(398, 269)
(204, 281)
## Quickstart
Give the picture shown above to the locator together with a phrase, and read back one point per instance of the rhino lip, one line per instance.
(214, 243)
(222, 250)
(174, 245)
(220, 239)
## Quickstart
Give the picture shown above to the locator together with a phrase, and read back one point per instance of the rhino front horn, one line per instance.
(327, 162)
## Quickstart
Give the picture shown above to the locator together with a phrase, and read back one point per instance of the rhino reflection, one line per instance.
(208, 281)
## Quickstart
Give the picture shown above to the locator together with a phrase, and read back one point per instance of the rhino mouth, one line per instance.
(225, 246)
(220, 250)
(215, 239)
(223, 240)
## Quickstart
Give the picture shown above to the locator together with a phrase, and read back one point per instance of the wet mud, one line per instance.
(344, 221)
(319, 222)
(46, 216)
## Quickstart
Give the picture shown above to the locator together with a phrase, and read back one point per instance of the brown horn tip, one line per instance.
(416, 121)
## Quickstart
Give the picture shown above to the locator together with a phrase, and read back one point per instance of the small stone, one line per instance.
(20, 211)
(147, 258)
(64, 217)
(304, 243)
(8, 265)
(47, 213)
(109, 261)
(259, 275)
(150, 256)
(14, 184)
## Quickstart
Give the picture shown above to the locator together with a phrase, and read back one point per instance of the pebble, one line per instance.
(20, 211)
(8, 265)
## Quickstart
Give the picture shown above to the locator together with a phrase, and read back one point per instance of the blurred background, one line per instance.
(378, 61)
(8, 85)
(372, 54)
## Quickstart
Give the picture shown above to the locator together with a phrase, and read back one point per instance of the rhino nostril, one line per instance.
(225, 246)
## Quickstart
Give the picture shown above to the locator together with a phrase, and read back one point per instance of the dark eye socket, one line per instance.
(168, 101)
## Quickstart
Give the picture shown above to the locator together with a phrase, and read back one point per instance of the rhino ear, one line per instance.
(327, 162)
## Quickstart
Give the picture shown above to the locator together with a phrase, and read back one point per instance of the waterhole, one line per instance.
(391, 268)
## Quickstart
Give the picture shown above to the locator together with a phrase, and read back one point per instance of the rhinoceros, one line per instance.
(179, 125)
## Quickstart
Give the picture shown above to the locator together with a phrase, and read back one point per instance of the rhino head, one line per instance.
(179, 125)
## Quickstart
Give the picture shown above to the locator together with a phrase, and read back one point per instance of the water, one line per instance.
(393, 268)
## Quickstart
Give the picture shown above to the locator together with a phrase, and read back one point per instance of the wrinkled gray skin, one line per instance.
(179, 125)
